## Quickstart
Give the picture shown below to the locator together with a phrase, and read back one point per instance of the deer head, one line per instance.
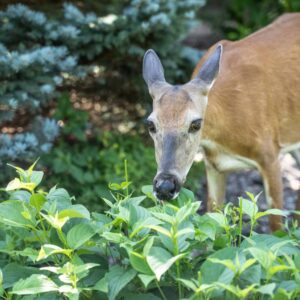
(176, 120)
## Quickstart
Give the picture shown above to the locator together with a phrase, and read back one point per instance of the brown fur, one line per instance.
(254, 105)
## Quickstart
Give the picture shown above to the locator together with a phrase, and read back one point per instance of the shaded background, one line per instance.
(71, 88)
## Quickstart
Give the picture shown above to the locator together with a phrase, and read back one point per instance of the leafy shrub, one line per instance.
(138, 248)
(41, 53)
(245, 17)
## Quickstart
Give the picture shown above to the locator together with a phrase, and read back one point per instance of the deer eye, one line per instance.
(151, 126)
(195, 126)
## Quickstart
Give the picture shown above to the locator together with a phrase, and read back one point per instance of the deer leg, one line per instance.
(273, 189)
(216, 186)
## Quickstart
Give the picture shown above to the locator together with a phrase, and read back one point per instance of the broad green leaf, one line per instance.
(160, 230)
(278, 268)
(266, 241)
(142, 224)
(248, 207)
(16, 184)
(137, 213)
(164, 217)
(160, 260)
(29, 252)
(263, 257)
(134, 200)
(48, 249)
(101, 285)
(60, 197)
(139, 263)
(117, 279)
(209, 230)
(188, 283)
(267, 289)
(146, 279)
(186, 211)
(148, 191)
(247, 265)
(219, 218)
(37, 201)
(36, 177)
(273, 211)
(148, 245)
(185, 196)
(14, 272)
(20, 195)
(17, 213)
(80, 234)
(55, 221)
(225, 262)
(35, 284)
(220, 273)
(75, 211)
(184, 232)
(114, 237)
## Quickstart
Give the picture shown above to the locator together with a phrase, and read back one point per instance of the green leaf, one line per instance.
(36, 177)
(35, 284)
(188, 283)
(220, 273)
(17, 213)
(160, 230)
(101, 285)
(114, 237)
(142, 224)
(48, 249)
(219, 218)
(139, 263)
(75, 211)
(186, 211)
(29, 252)
(185, 196)
(13, 272)
(37, 201)
(148, 191)
(117, 279)
(20, 195)
(267, 289)
(80, 234)
(262, 256)
(60, 197)
(273, 211)
(137, 213)
(16, 184)
(225, 262)
(146, 279)
(160, 260)
(248, 207)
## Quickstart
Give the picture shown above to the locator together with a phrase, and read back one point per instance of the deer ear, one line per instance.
(153, 70)
(210, 68)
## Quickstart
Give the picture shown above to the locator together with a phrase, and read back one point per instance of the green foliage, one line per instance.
(138, 248)
(42, 53)
(247, 16)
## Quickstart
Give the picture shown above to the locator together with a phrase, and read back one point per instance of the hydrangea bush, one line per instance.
(39, 53)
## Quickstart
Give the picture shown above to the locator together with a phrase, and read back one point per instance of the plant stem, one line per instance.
(160, 290)
(241, 222)
(126, 176)
(176, 252)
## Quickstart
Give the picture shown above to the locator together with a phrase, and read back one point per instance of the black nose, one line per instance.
(166, 186)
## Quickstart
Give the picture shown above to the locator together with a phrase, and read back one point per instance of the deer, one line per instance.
(241, 108)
